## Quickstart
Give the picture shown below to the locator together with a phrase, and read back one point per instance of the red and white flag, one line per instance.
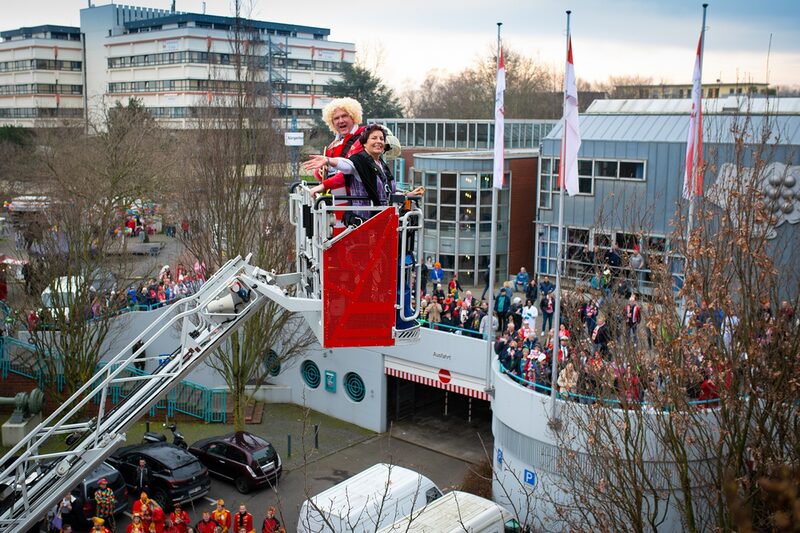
(499, 124)
(693, 175)
(571, 134)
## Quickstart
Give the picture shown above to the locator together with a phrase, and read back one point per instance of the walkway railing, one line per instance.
(187, 397)
(587, 399)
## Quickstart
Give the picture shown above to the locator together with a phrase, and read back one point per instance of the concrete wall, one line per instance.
(526, 454)
(463, 357)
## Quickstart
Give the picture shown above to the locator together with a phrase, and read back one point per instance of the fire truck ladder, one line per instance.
(35, 481)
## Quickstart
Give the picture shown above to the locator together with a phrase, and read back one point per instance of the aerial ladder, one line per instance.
(339, 267)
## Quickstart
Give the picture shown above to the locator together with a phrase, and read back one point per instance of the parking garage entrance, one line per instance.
(432, 413)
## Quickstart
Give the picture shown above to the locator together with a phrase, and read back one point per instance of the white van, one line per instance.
(458, 511)
(367, 501)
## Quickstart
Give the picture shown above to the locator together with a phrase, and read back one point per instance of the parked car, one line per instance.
(246, 459)
(83, 508)
(175, 475)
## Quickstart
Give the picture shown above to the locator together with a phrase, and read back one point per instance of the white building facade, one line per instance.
(175, 63)
(41, 75)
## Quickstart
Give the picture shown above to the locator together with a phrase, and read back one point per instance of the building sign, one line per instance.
(499, 457)
(330, 381)
(327, 55)
(294, 138)
(170, 46)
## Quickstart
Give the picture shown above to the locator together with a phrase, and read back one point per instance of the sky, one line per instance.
(405, 40)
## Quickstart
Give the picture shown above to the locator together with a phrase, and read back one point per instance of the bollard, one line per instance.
(289, 445)
(316, 436)
(147, 425)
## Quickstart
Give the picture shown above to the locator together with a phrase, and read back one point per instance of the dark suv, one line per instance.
(246, 459)
(83, 507)
(176, 475)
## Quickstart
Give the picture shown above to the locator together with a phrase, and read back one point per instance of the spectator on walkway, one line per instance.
(548, 308)
(436, 274)
(486, 276)
(545, 287)
(532, 290)
(568, 380)
(530, 313)
(521, 281)
(501, 306)
(454, 287)
(633, 316)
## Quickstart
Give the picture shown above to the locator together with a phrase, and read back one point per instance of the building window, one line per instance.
(548, 178)
(585, 179)
(605, 169)
(631, 170)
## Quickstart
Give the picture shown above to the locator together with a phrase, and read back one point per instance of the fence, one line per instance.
(189, 398)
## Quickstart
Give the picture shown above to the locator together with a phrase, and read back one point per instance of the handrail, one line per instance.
(538, 386)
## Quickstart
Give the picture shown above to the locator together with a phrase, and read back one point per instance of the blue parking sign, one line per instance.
(530, 477)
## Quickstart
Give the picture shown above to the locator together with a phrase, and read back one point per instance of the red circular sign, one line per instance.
(444, 376)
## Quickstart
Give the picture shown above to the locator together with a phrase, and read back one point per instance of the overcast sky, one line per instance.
(655, 38)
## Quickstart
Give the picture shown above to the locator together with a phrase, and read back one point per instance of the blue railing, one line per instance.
(451, 329)
(187, 397)
(582, 398)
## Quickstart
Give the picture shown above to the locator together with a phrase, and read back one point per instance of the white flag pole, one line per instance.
(562, 191)
(696, 155)
(489, 331)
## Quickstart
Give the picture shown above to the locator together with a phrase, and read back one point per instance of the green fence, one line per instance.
(189, 398)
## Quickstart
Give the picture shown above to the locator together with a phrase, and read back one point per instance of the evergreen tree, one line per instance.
(378, 100)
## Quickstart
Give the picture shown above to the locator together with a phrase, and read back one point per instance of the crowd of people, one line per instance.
(597, 327)
(167, 287)
(148, 516)
(156, 292)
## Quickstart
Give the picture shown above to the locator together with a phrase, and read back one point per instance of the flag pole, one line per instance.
(562, 191)
(489, 387)
(696, 155)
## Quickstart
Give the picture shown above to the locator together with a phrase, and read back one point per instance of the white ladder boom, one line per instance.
(37, 481)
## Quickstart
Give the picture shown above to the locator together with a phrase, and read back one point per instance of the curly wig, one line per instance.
(350, 106)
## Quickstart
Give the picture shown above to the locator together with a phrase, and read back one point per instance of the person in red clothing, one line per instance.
(206, 525)
(271, 523)
(243, 519)
(180, 518)
(136, 525)
(343, 116)
(140, 504)
(157, 516)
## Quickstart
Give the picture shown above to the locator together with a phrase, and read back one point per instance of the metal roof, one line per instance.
(632, 127)
(229, 21)
(682, 106)
(28, 31)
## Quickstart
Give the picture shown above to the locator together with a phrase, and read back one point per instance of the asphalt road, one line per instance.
(296, 485)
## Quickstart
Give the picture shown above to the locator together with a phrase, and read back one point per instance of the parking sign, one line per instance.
(530, 477)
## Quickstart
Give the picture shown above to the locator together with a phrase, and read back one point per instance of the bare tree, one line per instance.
(89, 181)
(236, 168)
(698, 426)
(532, 90)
